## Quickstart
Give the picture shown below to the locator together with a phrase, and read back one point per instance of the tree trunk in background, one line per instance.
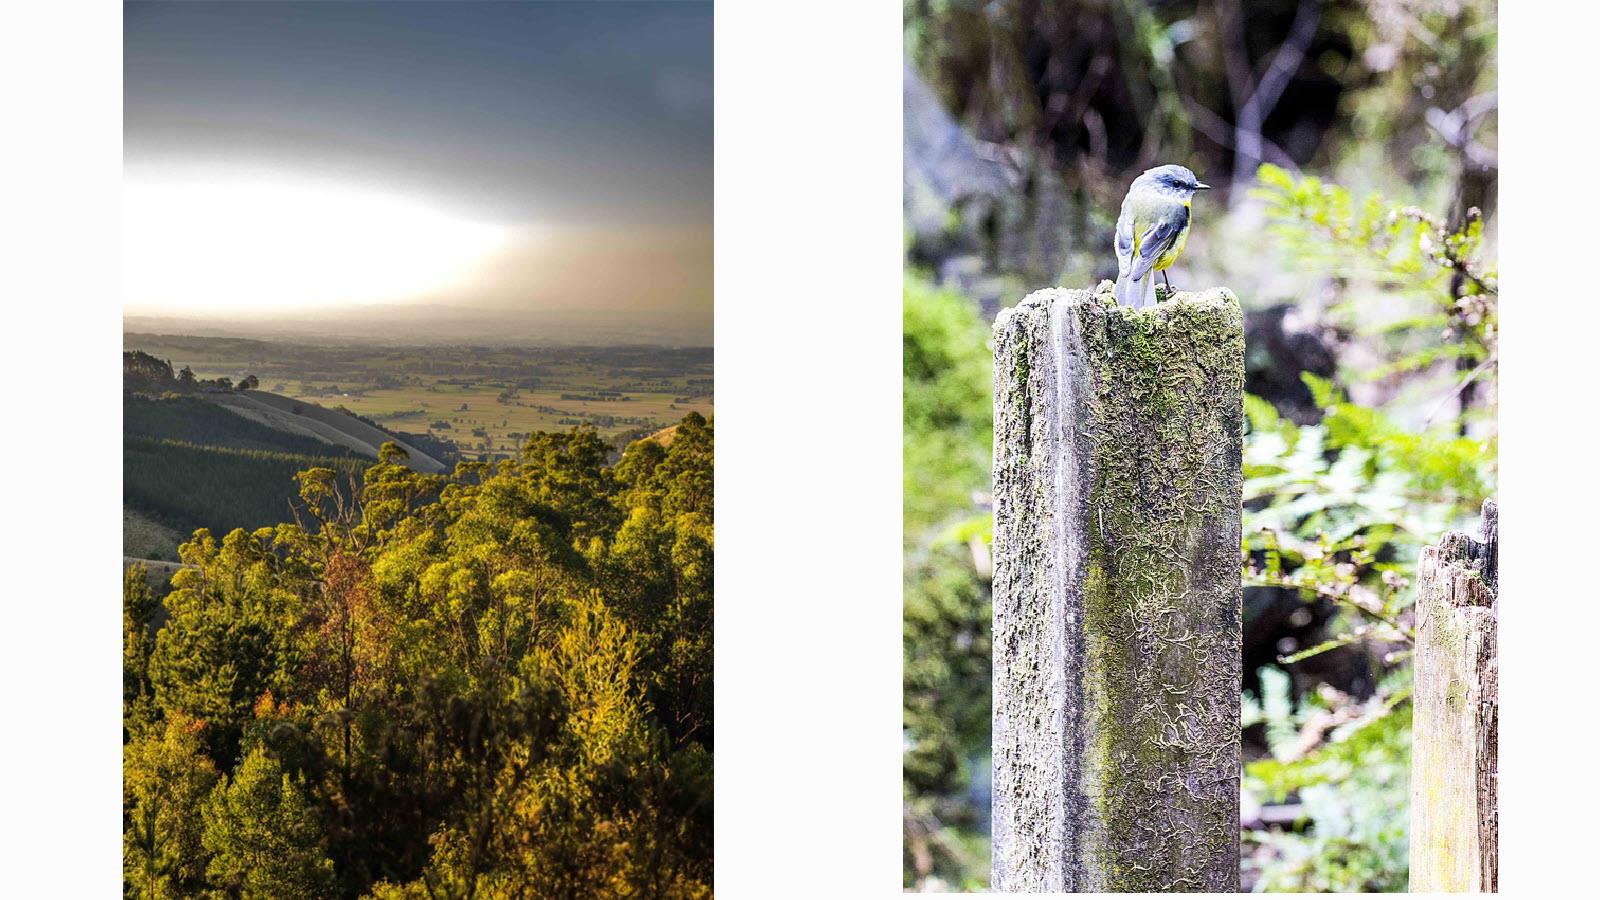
(1117, 479)
(1455, 819)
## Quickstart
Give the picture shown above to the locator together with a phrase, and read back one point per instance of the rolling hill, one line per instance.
(333, 426)
(664, 436)
(197, 419)
(225, 460)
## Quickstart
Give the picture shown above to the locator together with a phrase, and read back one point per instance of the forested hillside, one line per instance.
(190, 461)
(198, 421)
(493, 683)
(188, 486)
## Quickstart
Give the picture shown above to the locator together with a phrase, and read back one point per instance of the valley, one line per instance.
(484, 400)
(215, 428)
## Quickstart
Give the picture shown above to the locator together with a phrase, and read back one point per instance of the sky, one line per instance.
(514, 156)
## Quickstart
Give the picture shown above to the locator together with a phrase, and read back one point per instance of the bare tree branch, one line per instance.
(1248, 149)
(1288, 58)
(1217, 129)
(1236, 53)
(1458, 126)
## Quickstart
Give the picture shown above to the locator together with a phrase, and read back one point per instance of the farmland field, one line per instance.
(484, 400)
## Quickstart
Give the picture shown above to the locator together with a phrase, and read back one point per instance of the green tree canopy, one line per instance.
(492, 683)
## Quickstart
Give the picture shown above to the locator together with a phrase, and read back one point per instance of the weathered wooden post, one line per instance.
(1117, 455)
(1455, 819)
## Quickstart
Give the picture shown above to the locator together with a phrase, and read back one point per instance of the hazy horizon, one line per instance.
(419, 324)
(525, 163)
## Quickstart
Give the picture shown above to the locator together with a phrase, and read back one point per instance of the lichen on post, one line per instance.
(1456, 715)
(1117, 478)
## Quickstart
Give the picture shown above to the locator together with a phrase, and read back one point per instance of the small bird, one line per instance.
(1152, 230)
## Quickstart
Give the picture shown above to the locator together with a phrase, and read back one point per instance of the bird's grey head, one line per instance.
(1175, 179)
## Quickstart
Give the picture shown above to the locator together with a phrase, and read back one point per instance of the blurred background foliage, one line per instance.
(1353, 147)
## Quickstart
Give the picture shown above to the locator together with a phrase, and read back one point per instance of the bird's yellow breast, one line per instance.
(1148, 207)
(1168, 258)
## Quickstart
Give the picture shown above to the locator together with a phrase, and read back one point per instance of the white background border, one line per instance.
(61, 510)
(808, 449)
(808, 467)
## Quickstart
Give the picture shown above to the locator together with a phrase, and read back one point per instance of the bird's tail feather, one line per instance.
(1134, 292)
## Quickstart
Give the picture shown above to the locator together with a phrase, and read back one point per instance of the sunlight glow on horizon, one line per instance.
(268, 242)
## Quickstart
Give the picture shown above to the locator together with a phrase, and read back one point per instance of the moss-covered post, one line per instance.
(1455, 818)
(1117, 454)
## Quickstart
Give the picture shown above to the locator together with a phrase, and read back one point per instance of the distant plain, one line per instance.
(483, 399)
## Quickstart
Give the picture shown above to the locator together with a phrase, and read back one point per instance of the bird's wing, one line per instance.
(1157, 240)
(1124, 243)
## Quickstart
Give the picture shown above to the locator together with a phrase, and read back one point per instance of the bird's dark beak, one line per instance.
(1201, 187)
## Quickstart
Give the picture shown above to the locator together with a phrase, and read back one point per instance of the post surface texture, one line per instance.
(1118, 441)
(1456, 717)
